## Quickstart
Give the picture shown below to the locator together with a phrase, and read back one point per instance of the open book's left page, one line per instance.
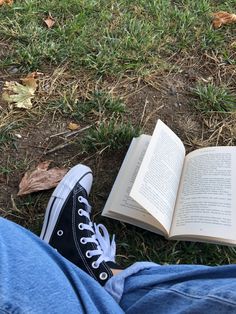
(156, 185)
(120, 205)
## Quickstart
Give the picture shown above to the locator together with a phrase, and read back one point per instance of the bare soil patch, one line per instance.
(166, 96)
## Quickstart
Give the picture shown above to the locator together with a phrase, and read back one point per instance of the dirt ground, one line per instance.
(166, 96)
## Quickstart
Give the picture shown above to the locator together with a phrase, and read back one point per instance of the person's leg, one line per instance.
(144, 287)
(37, 279)
(34, 278)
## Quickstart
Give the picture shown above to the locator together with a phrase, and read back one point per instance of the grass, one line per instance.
(5, 170)
(110, 37)
(98, 104)
(105, 114)
(212, 98)
(6, 133)
(110, 64)
(136, 246)
(111, 135)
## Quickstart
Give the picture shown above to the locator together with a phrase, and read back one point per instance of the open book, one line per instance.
(190, 197)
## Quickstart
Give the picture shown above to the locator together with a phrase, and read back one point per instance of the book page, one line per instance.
(206, 204)
(119, 204)
(155, 187)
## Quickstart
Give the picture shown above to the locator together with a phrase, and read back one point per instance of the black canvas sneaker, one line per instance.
(67, 226)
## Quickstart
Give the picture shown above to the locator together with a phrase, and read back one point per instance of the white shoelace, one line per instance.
(105, 248)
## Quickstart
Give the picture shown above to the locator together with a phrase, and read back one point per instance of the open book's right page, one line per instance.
(206, 202)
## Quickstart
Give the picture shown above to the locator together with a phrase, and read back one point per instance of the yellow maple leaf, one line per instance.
(18, 94)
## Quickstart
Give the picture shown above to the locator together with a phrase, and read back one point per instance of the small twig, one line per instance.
(144, 109)
(157, 86)
(151, 114)
(6, 214)
(60, 133)
(14, 204)
(133, 93)
(219, 134)
(7, 174)
(69, 133)
(78, 131)
(103, 149)
(58, 147)
(91, 156)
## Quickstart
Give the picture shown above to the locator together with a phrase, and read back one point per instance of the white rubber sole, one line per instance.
(79, 173)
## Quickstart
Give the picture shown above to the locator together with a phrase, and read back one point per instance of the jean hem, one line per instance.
(115, 285)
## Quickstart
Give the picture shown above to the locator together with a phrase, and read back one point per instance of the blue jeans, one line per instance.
(34, 278)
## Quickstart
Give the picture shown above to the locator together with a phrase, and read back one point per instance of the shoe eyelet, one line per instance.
(80, 212)
(60, 233)
(88, 255)
(80, 199)
(103, 276)
(83, 241)
(95, 265)
(80, 226)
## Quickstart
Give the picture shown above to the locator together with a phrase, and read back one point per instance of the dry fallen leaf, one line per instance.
(18, 94)
(9, 2)
(41, 178)
(50, 21)
(30, 80)
(222, 18)
(73, 126)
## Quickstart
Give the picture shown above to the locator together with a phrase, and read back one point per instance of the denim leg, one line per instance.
(34, 278)
(145, 288)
